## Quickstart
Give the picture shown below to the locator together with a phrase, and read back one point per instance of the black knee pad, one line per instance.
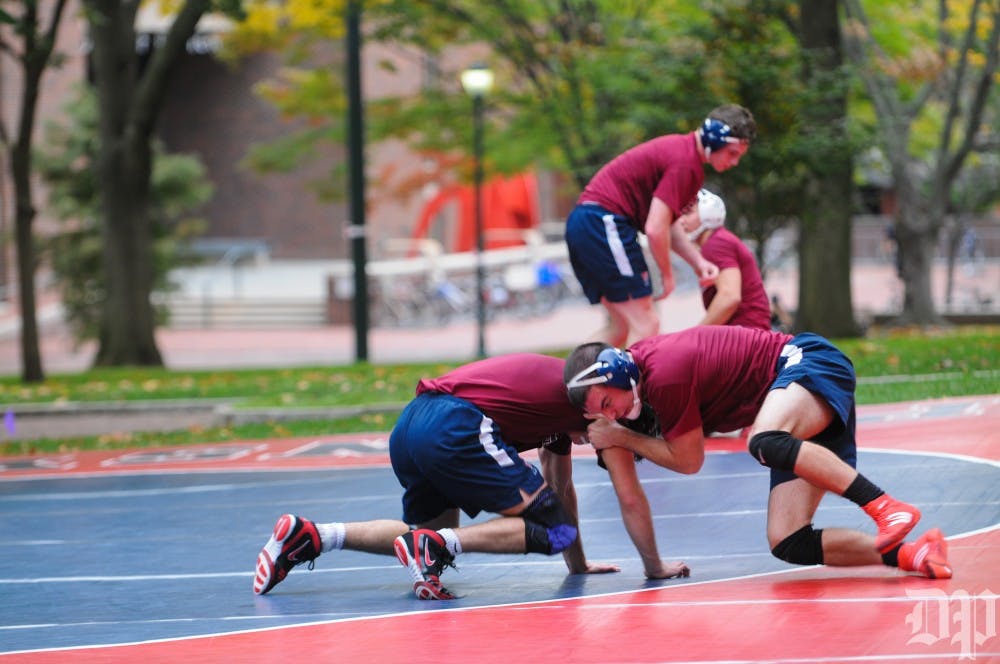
(775, 449)
(803, 547)
(548, 527)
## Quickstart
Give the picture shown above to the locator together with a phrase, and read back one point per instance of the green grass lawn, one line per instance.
(897, 366)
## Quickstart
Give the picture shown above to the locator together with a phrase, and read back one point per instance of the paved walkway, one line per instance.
(228, 348)
(875, 290)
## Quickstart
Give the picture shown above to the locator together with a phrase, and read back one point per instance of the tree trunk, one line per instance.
(24, 216)
(917, 237)
(129, 104)
(128, 327)
(128, 330)
(918, 221)
(31, 359)
(825, 303)
(953, 234)
(35, 56)
(5, 236)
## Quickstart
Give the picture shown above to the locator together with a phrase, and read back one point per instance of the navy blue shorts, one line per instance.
(606, 256)
(446, 453)
(820, 367)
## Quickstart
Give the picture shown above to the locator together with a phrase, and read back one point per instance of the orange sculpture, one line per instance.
(510, 206)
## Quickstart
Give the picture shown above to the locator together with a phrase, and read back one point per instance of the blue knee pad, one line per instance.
(548, 527)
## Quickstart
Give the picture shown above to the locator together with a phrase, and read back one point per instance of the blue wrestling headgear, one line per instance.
(715, 135)
(613, 367)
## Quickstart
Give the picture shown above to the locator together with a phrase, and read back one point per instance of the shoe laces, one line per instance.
(444, 558)
(310, 563)
(440, 566)
(307, 554)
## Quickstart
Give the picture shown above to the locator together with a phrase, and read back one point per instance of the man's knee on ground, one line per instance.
(803, 547)
(775, 449)
(548, 527)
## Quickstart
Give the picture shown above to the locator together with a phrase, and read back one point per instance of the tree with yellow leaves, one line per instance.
(930, 72)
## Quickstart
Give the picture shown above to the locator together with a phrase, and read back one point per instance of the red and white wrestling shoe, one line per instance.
(293, 542)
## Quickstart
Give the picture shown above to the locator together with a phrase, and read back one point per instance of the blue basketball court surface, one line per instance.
(148, 556)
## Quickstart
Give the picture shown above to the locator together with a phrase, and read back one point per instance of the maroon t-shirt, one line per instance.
(667, 167)
(727, 251)
(523, 393)
(710, 376)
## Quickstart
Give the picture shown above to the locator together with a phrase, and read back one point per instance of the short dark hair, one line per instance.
(740, 120)
(582, 357)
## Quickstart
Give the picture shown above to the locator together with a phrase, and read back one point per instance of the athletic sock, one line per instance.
(891, 558)
(861, 491)
(331, 535)
(451, 541)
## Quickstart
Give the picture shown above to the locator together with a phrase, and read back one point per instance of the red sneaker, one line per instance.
(293, 542)
(927, 556)
(424, 554)
(894, 518)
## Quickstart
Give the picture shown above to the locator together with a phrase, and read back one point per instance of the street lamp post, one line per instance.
(477, 81)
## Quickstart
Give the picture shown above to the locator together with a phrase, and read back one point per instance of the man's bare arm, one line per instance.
(682, 454)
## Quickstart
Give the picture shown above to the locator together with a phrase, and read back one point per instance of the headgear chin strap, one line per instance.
(613, 367)
(636, 405)
(715, 134)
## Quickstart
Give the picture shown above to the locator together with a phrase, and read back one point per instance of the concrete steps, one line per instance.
(247, 312)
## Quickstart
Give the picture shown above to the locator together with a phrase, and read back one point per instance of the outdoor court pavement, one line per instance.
(147, 555)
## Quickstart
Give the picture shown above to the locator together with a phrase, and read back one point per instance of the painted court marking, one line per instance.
(815, 614)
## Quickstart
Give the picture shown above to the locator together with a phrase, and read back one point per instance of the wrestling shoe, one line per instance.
(293, 542)
(894, 518)
(424, 554)
(927, 556)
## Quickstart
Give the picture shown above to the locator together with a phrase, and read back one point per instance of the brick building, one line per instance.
(210, 110)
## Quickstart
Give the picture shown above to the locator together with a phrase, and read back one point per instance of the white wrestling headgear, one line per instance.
(711, 212)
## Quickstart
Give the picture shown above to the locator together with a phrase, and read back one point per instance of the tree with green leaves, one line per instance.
(763, 194)
(65, 161)
(930, 74)
(30, 40)
(129, 100)
(579, 82)
(576, 84)
(781, 58)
